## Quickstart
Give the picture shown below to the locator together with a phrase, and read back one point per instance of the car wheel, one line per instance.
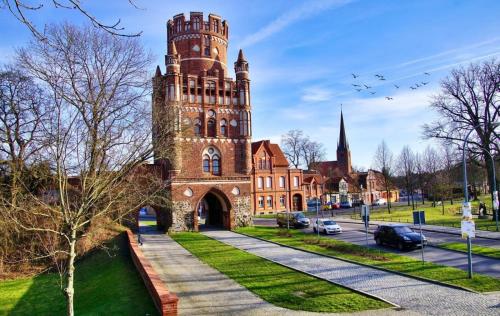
(314, 229)
(378, 241)
(401, 246)
(324, 231)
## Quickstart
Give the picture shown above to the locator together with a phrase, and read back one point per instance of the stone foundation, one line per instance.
(182, 216)
(242, 211)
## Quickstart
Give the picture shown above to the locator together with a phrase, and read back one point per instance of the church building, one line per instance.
(202, 126)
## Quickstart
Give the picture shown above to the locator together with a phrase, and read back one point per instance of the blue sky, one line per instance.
(302, 54)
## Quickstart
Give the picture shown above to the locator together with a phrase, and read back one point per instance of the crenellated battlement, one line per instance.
(214, 25)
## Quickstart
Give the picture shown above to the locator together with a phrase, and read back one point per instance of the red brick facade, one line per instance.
(275, 186)
(202, 125)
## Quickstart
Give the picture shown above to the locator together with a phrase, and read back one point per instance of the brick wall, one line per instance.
(165, 302)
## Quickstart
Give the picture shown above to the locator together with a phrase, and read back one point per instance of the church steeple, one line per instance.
(342, 144)
(343, 152)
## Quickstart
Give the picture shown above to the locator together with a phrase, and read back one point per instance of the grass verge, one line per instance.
(477, 250)
(374, 257)
(274, 283)
(106, 283)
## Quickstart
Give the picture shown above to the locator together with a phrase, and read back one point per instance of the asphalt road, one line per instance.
(354, 233)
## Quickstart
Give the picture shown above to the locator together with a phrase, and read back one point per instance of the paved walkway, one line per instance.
(413, 295)
(203, 290)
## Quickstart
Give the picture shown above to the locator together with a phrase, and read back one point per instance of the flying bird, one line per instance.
(355, 85)
(378, 76)
(373, 92)
(359, 90)
(413, 88)
(367, 87)
(424, 83)
(381, 78)
(427, 74)
(397, 87)
(389, 98)
(417, 85)
(355, 76)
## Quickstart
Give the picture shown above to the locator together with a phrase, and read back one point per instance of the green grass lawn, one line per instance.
(150, 223)
(479, 250)
(433, 215)
(274, 283)
(105, 284)
(375, 257)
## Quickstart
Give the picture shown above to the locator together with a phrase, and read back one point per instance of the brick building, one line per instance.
(202, 126)
(342, 184)
(275, 186)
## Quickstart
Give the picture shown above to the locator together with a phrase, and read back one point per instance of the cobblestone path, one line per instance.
(412, 295)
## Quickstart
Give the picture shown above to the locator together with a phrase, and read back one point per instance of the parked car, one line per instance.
(398, 235)
(335, 206)
(380, 202)
(294, 219)
(345, 204)
(326, 226)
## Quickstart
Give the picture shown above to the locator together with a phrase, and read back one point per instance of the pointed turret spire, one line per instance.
(172, 50)
(158, 71)
(342, 144)
(241, 57)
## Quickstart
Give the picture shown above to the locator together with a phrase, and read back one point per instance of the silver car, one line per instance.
(326, 226)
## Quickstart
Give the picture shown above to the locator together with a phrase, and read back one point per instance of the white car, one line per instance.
(380, 202)
(326, 226)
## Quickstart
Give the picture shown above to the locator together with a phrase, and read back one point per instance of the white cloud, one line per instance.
(316, 94)
(301, 12)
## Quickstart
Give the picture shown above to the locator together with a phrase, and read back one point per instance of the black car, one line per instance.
(400, 236)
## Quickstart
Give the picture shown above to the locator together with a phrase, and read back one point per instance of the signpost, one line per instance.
(419, 219)
(365, 215)
(495, 206)
(468, 230)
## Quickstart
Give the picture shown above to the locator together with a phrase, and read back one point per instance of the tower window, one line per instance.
(216, 26)
(211, 128)
(211, 161)
(196, 23)
(179, 25)
(197, 127)
(210, 91)
(206, 163)
(223, 127)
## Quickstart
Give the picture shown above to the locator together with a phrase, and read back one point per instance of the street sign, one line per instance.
(495, 200)
(466, 210)
(468, 229)
(418, 217)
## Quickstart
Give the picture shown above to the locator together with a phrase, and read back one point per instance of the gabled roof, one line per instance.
(327, 168)
(308, 179)
(273, 150)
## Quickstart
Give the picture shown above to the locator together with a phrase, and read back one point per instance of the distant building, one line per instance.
(342, 184)
(275, 186)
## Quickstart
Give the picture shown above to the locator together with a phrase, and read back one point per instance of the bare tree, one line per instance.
(22, 9)
(420, 175)
(406, 168)
(470, 100)
(23, 106)
(292, 144)
(432, 165)
(383, 161)
(449, 160)
(312, 153)
(99, 135)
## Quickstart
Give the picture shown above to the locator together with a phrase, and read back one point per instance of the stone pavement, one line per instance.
(203, 290)
(412, 295)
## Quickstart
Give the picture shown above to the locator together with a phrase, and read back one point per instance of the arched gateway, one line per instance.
(213, 211)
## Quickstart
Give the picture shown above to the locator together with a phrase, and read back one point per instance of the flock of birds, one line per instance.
(359, 87)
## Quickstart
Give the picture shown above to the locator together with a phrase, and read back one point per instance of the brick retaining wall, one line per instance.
(165, 302)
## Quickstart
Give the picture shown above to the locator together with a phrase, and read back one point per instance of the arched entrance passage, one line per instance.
(213, 211)
(147, 219)
(297, 202)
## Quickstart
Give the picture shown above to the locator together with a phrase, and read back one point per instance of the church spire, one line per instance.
(343, 144)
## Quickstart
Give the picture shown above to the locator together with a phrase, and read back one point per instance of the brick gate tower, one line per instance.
(202, 126)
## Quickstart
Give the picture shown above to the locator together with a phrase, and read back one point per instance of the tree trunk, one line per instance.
(70, 289)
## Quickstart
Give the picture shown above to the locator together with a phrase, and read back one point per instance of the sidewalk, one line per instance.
(431, 228)
(411, 294)
(203, 290)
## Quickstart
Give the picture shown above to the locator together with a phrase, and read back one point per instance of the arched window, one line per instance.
(215, 165)
(223, 127)
(196, 23)
(197, 127)
(211, 128)
(206, 163)
(211, 161)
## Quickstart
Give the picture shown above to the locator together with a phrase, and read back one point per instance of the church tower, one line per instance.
(343, 152)
(202, 125)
